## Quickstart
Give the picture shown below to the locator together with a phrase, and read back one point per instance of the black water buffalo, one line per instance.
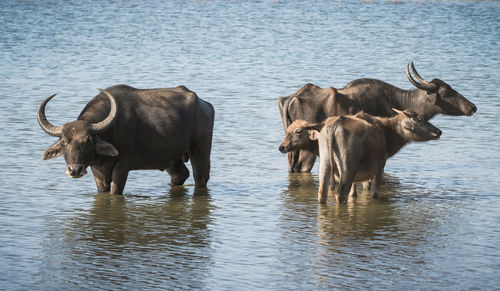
(356, 147)
(124, 128)
(314, 104)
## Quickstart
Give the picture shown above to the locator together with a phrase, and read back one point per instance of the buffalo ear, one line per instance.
(53, 151)
(396, 110)
(313, 134)
(105, 148)
(403, 112)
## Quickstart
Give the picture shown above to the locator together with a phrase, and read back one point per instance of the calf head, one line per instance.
(440, 96)
(413, 127)
(299, 137)
(78, 140)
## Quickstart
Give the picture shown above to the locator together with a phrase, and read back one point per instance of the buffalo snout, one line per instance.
(472, 110)
(76, 170)
(437, 133)
(283, 149)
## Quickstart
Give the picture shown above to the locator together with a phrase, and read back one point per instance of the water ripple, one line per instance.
(257, 226)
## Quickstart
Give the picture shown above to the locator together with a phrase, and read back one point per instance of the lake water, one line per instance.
(435, 226)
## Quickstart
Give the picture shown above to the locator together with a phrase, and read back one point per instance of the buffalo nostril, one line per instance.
(75, 168)
(472, 110)
(281, 148)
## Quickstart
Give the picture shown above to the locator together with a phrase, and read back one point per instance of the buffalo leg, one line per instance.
(353, 192)
(301, 161)
(178, 173)
(346, 182)
(325, 175)
(367, 185)
(200, 161)
(293, 159)
(119, 177)
(306, 161)
(376, 181)
(334, 177)
(345, 185)
(102, 177)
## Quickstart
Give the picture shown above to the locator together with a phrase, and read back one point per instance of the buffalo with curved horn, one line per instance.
(123, 129)
(314, 104)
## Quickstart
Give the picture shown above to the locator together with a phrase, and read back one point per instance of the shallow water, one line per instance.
(435, 226)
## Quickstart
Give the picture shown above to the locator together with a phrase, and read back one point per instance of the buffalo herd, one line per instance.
(353, 130)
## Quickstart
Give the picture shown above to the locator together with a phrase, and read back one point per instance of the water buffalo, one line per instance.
(124, 128)
(356, 146)
(314, 104)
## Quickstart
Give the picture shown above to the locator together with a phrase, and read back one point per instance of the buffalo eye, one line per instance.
(298, 131)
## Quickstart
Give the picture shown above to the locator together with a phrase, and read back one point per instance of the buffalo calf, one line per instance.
(356, 146)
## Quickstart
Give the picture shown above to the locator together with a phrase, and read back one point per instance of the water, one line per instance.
(436, 225)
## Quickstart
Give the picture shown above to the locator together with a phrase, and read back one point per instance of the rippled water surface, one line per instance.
(435, 226)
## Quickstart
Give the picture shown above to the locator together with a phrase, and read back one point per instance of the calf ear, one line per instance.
(105, 148)
(397, 111)
(401, 112)
(313, 134)
(53, 151)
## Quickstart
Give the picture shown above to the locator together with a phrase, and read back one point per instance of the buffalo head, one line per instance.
(298, 137)
(443, 97)
(414, 128)
(78, 141)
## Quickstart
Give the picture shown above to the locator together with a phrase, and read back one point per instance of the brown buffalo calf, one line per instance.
(356, 146)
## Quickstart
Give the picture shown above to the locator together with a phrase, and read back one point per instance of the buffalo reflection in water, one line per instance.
(349, 240)
(121, 237)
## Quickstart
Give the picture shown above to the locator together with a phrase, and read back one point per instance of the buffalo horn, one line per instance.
(44, 123)
(424, 85)
(418, 75)
(415, 83)
(427, 84)
(397, 111)
(106, 123)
